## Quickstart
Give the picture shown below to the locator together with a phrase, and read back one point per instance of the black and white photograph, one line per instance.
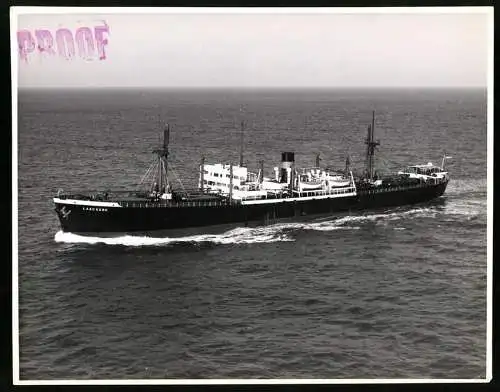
(252, 195)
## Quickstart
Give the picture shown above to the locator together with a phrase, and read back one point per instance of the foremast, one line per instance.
(162, 185)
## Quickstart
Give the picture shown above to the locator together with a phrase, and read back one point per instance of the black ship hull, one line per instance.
(164, 216)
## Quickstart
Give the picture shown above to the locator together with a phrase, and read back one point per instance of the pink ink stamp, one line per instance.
(88, 43)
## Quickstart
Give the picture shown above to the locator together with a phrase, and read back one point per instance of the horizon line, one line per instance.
(255, 87)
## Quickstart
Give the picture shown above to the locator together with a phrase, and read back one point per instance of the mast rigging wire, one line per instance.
(177, 178)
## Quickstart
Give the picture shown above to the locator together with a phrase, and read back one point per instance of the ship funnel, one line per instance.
(288, 157)
(287, 160)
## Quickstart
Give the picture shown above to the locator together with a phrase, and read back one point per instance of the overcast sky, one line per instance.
(269, 50)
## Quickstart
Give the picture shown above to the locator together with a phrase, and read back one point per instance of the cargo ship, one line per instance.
(230, 195)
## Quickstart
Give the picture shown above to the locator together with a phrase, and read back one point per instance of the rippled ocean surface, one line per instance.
(393, 293)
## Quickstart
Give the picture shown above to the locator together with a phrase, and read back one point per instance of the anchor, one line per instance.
(65, 213)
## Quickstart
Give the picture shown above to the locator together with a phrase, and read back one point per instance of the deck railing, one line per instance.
(190, 203)
(335, 191)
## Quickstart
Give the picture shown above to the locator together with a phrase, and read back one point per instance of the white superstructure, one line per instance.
(245, 185)
(217, 179)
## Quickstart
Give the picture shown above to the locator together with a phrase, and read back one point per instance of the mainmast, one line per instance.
(370, 149)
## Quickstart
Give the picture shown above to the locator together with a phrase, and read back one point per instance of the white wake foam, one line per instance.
(236, 236)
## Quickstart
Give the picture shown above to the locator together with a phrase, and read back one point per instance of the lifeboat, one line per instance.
(273, 185)
(310, 185)
(336, 181)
